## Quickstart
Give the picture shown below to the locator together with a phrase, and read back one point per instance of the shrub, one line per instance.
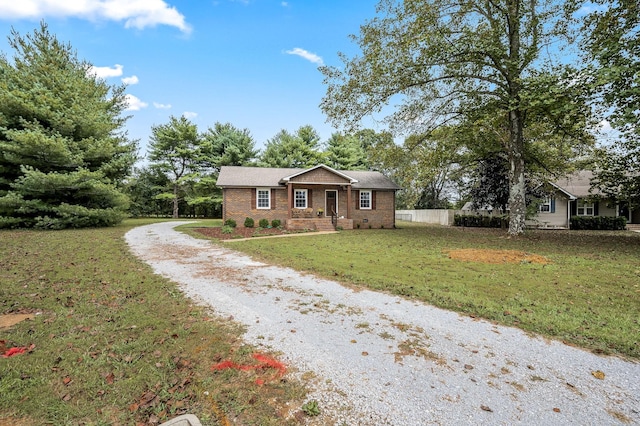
(227, 229)
(480, 221)
(598, 223)
(276, 223)
(230, 222)
(264, 223)
(248, 223)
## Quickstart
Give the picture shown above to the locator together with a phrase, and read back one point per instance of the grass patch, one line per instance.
(116, 344)
(587, 295)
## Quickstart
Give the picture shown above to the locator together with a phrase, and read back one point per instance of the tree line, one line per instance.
(483, 93)
(183, 164)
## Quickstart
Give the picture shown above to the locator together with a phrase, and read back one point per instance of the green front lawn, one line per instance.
(115, 344)
(588, 295)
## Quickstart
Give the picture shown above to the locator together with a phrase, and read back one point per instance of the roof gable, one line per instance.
(320, 166)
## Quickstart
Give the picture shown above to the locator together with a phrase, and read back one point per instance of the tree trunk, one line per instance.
(175, 202)
(517, 203)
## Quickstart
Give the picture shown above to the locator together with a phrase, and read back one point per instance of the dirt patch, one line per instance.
(242, 232)
(497, 256)
(15, 421)
(10, 320)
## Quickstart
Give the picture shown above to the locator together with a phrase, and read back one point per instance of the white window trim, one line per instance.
(547, 202)
(295, 198)
(370, 192)
(584, 206)
(268, 191)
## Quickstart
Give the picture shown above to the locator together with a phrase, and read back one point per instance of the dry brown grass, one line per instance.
(497, 256)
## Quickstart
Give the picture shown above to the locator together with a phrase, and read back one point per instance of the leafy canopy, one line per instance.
(441, 60)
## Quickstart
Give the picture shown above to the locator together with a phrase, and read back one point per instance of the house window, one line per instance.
(585, 209)
(300, 198)
(365, 200)
(545, 207)
(263, 197)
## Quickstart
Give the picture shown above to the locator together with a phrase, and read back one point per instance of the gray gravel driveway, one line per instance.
(379, 359)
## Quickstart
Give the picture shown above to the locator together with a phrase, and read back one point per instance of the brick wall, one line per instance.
(238, 206)
(382, 216)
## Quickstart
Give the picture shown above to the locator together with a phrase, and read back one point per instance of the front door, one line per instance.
(331, 203)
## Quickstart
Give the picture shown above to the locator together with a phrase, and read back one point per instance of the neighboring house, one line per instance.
(571, 196)
(315, 198)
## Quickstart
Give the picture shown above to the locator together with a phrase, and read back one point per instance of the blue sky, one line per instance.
(253, 63)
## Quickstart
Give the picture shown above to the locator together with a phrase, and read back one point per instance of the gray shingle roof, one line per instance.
(577, 184)
(236, 176)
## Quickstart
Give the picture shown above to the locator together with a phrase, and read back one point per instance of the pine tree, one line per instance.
(62, 147)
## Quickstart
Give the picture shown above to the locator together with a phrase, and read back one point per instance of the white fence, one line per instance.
(435, 216)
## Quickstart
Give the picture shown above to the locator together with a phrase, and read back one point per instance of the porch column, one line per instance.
(289, 199)
(349, 201)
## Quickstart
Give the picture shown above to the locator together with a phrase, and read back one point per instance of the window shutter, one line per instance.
(273, 199)
(253, 198)
(310, 199)
(373, 200)
(358, 200)
(553, 204)
(596, 206)
(574, 207)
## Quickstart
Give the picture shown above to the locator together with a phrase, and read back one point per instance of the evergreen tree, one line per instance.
(287, 150)
(176, 149)
(226, 145)
(63, 149)
(345, 153)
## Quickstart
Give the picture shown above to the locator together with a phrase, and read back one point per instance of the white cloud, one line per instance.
(130, 80)
(284, 4)
(605, 126)
(135, 13)
(311, 57)
(161, 106)
(106, 72)
(189, 114)
(134, 104)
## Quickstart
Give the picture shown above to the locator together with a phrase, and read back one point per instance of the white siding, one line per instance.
(558, 219)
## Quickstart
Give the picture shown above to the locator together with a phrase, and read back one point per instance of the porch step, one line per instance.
(324, 225)
(633, 226)
(318, 224)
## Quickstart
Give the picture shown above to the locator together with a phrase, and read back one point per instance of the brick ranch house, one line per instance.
(315, 198)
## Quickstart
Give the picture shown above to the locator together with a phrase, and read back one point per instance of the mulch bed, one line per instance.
(242, 232)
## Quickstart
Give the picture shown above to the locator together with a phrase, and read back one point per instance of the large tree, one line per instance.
(292, 150)
(227, 145)
(175, 148)
(611, 45)
(440, 58)
(345, 152)
(63, 149)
